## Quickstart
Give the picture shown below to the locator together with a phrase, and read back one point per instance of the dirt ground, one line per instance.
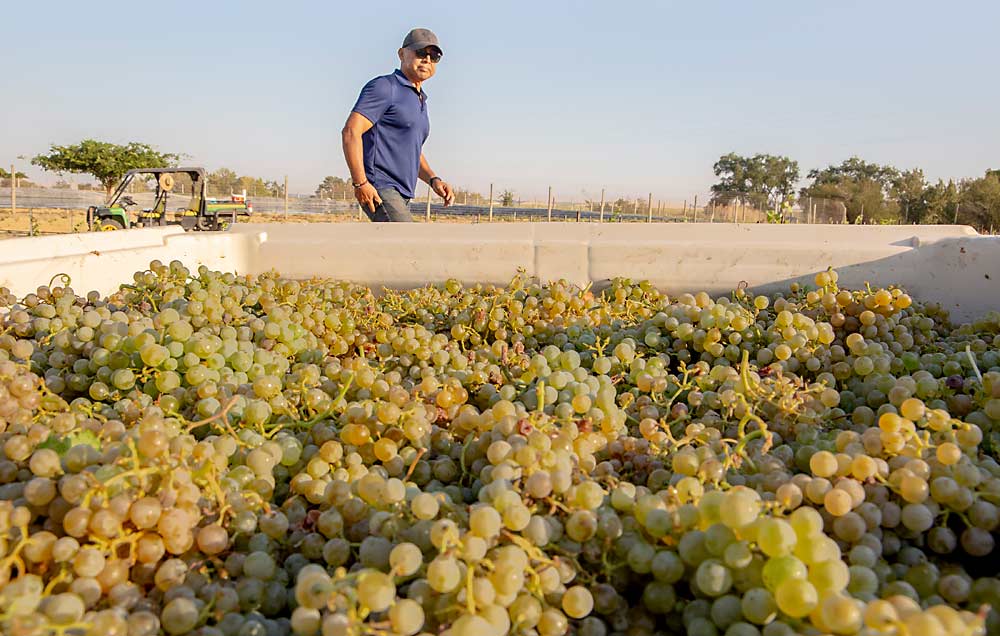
(59, 221)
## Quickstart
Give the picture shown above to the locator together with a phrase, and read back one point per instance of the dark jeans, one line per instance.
(393, 209)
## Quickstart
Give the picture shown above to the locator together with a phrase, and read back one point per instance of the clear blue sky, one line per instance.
(633, 96)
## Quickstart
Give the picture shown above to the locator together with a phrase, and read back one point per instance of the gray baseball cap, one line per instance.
(421, 38)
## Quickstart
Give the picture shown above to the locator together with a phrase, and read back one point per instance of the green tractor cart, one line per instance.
(200, 212)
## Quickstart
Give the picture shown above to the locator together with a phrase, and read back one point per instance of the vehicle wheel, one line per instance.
(109, 225)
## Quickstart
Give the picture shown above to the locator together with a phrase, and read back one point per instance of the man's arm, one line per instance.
(440, 188)
(356, 126)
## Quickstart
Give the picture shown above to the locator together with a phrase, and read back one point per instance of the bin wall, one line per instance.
(948, 264)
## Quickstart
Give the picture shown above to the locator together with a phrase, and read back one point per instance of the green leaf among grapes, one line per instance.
(62, 444)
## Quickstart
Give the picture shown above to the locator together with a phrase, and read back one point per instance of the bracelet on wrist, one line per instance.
(358, 185)
(431, 181)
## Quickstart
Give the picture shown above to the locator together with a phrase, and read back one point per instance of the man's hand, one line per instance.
(444, 191)
(368, 197)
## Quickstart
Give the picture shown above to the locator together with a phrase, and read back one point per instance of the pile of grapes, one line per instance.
(213, 454)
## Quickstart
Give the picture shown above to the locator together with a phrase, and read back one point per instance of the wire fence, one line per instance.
(469, 207)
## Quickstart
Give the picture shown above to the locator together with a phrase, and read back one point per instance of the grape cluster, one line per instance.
(222, 455)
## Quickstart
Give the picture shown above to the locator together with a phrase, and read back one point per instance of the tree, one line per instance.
(334, 188)
(222, 182)
(942, 201)
(251, 185)
(855, 169)
(22, 181)
(225, 181)
(910, 190)
(763, 181)
(622, 206)
(507, 198)
(979, 201)
(105, 161)
(866, 189)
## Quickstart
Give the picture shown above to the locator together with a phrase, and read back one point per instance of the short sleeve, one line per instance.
(374, 99)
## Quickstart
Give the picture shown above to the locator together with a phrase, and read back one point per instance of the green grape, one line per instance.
(741, 507)
(259, 565)
(775, 537)
(485, 522)
(726, 610)
(795, 597)
(829, 577)
(659, 597)
(375, 590)
(261, 455)
(406, 617)
(758, 606)
(405, 559)
(470, 625)
(179, 616)
(781, 569)
(737, 555)
(806, 522)
(713, 577)
(577, 602)
(443, 574)
(667, 567)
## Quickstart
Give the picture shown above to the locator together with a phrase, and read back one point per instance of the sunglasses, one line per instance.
(431, 53)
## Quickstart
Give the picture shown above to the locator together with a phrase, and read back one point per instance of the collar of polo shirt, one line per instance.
(402, 79)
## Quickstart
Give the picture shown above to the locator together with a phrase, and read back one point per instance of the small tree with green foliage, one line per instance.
(334, 188)
(979, 201)
(762, 181)
(5, 178)
(865, 188)
(104, 161)
(910, 190)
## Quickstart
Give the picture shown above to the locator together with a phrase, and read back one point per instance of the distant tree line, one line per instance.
(869, 192)
(864, 192)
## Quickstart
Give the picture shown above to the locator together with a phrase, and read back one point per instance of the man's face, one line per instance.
(419, 64)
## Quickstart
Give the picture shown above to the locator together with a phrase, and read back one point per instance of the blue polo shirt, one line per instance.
(400, 125)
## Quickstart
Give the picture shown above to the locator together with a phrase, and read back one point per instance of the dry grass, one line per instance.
(60, 221)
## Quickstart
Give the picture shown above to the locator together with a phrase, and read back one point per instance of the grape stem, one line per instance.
(221, 414)
(66, 280)
(972, 360)
(413, 465)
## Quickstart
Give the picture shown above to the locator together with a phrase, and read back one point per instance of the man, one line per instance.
(386, 130)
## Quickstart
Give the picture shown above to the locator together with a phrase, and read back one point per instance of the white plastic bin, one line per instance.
(952, 265)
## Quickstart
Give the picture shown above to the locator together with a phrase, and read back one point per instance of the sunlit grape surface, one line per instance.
(222, 455)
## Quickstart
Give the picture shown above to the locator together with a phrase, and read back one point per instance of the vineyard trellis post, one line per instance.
(13, 192)
(550, 203)
(602, 205)
(491, 202)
